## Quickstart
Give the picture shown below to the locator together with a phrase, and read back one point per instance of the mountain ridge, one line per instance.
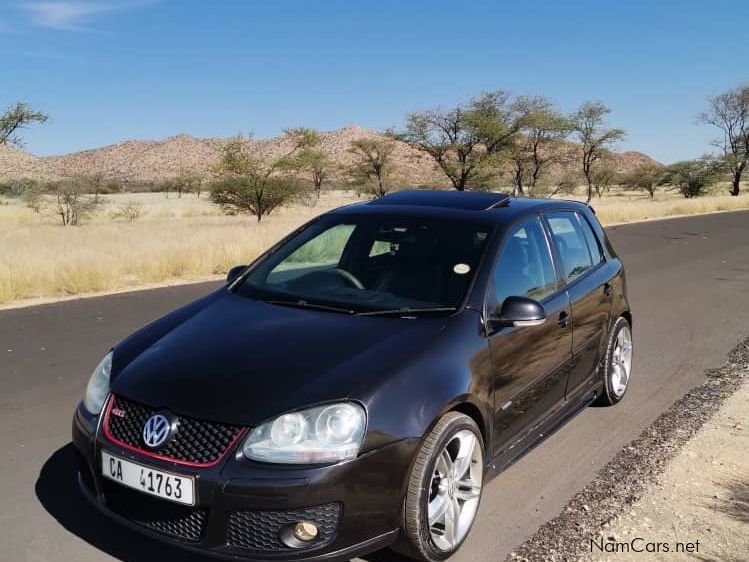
(144, 161)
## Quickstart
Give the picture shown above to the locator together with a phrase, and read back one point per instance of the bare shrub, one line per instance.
(130, 211)
(72, 205)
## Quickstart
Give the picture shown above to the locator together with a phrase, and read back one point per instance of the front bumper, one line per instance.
(242, 505)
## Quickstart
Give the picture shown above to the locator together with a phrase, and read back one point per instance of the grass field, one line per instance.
(187, 239)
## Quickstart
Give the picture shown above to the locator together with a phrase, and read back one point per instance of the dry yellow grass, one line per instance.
(175, 239)
(188, 238)
(631, 207)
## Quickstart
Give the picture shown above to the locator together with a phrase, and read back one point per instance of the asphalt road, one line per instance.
(689, 289)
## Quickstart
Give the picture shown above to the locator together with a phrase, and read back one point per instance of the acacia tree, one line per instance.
(14, 119)
(603, 176)
(693, 178)
(466, 140)
(306, 156)
(185, 182)
(594, 136)
(372, 165)
(247, 184)
(729, 112)
(318, 165)
(646, 178)
(541, 127)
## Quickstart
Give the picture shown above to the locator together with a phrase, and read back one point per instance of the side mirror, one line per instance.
(234, 272)
(518, 312)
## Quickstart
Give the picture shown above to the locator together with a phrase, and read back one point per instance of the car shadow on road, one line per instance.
(58, 492)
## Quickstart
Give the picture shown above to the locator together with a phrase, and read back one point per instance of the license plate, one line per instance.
(172, 487)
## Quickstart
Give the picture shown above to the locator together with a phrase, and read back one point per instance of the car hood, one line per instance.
(232, 359)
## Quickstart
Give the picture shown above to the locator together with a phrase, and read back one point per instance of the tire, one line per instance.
(419, 539)
(617, 364)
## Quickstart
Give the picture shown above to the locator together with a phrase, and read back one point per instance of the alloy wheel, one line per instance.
(621, 361)
(455, 490)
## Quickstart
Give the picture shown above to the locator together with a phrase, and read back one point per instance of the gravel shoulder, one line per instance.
(699, 507)
(684, 480)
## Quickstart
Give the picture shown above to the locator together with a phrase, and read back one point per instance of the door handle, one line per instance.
(608, 288)
(563, 319)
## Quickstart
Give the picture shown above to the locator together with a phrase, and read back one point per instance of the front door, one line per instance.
(529, 363)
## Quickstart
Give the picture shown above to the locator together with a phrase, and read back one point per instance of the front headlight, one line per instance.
(328, 433)
(98, 386)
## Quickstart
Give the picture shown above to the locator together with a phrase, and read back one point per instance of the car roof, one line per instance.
(480, 206)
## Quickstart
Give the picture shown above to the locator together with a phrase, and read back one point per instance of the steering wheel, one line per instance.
(352, 279)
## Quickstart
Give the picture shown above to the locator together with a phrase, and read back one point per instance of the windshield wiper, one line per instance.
(406, 311)
(301, 303)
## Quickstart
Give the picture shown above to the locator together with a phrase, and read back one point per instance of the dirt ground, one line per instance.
(699, 507)
(684, 479)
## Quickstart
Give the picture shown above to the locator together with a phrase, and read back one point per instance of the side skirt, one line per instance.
(510, 455)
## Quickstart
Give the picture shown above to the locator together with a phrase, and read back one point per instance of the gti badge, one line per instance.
(156, 430)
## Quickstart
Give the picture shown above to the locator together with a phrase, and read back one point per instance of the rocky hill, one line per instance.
(15, 163)
(145, 161)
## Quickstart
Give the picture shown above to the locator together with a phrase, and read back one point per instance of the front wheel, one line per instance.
(617, 363)
(444, 490)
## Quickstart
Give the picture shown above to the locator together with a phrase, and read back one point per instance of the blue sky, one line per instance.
(109, 70)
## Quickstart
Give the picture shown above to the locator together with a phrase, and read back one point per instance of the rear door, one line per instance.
(529, 364)
(584, 270)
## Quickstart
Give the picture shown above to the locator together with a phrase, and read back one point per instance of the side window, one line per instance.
(524, 268)
(590, 238)
(570, 243)
(380, 247)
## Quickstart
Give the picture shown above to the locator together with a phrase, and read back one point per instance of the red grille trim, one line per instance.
(140, 451)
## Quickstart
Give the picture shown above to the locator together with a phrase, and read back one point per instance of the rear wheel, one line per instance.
(617, 364)
(444, 490)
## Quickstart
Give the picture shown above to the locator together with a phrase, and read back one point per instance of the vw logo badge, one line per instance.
(156, 431)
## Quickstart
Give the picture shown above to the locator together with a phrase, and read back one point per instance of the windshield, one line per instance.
(370, 264)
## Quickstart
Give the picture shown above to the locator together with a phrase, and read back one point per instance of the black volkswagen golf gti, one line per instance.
(356, 386)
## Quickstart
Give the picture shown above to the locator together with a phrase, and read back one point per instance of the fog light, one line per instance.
(305, 531)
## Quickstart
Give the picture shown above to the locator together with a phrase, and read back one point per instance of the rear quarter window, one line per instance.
(593, 245)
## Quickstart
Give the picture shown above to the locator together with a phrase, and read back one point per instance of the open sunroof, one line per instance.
(466, 200)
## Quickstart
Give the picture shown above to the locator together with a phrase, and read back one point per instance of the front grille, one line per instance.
(195, 441)
(182, 522)
(259, 530)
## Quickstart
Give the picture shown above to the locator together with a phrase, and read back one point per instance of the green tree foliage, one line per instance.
(467, 140)
(694, 178)
(181, 184)
(594, 136)
(186, 183)
(33, 196)
(372, 165)
(306, 157)
(603, 176)
(16, 187)
(643, 178)
(567, 183)
(247, 184)
(729, 112)
(542, 128)
(96, 185)
(14, 119)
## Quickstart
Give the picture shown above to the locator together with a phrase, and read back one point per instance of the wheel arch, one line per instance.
(628, 315)
(473, 412)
